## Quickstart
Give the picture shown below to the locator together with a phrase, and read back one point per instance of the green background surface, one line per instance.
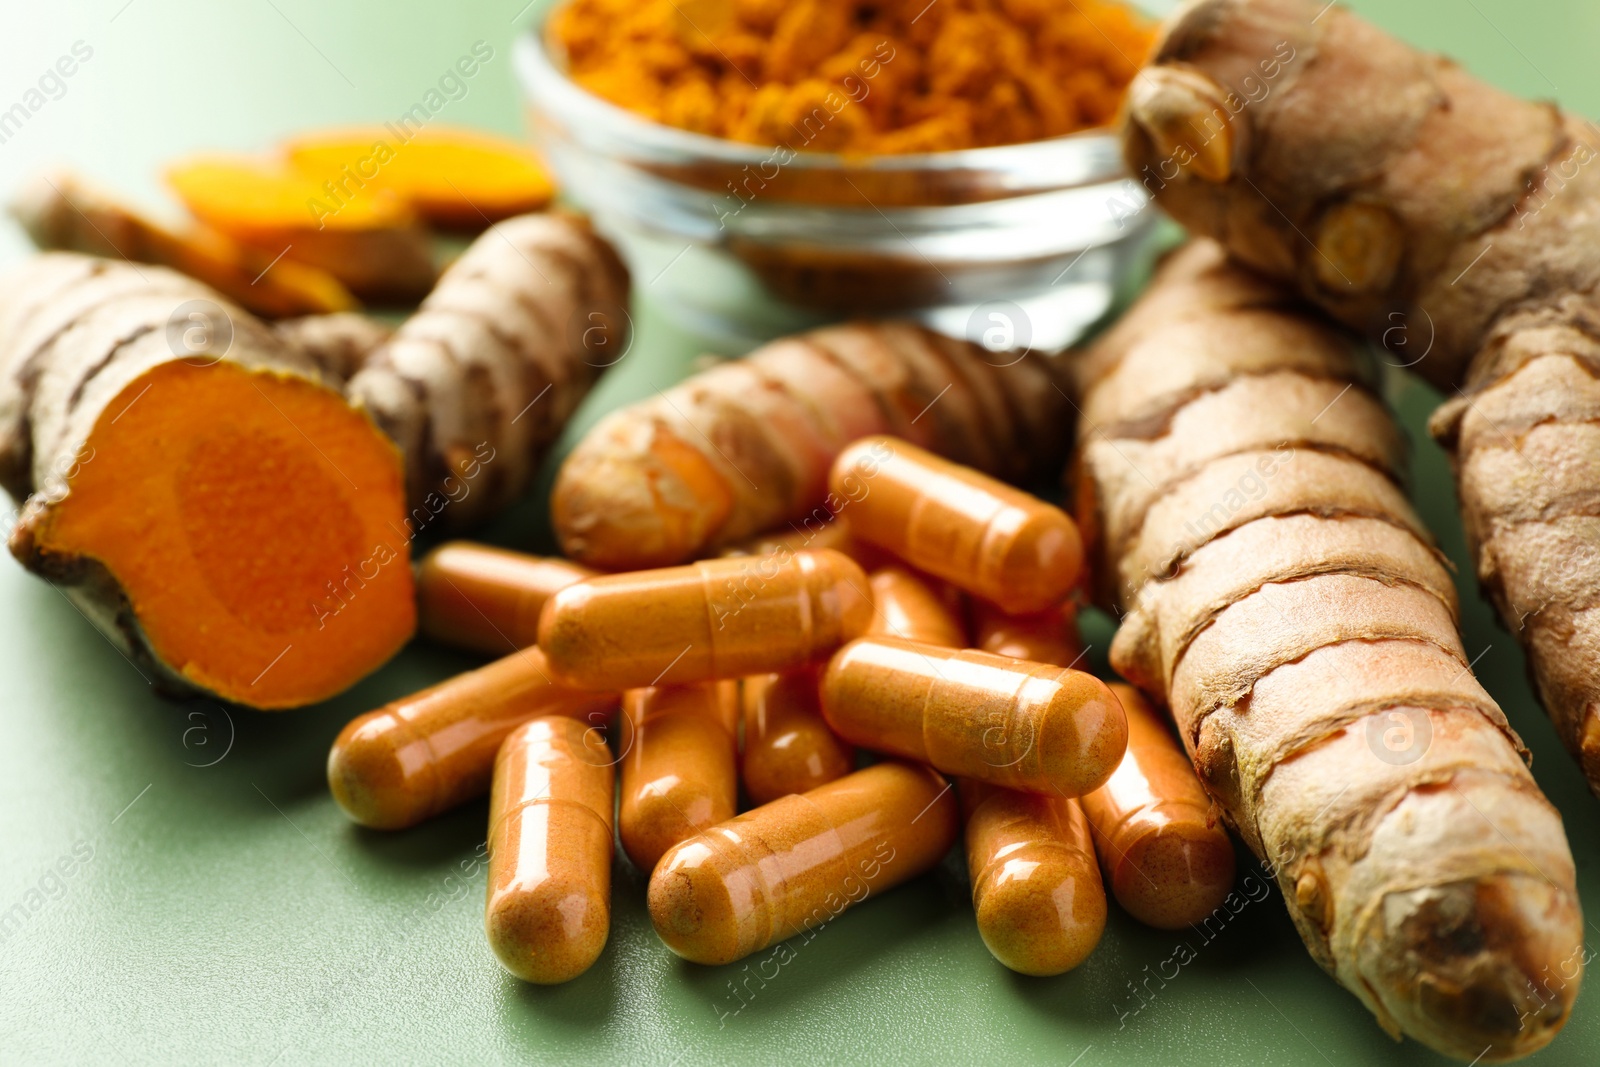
(219, 908)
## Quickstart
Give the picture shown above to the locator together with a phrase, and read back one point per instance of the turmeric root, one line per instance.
(61, 212)
(477, 384)
(747, 445)
(1238, 482)
(1459, 225)
(457, 179)
(338, 344)
(215, 508)
(372, 243)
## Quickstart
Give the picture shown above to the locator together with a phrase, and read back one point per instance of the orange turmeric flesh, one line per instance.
(459, 179)
(253, 521)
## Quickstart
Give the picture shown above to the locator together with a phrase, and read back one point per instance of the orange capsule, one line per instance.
(1035, 884)
(788, 747)
(796, 863)
(1010, 722)
(417, 756)
(680, 773)
(719, 618)
(977, 533)
(549, 904)
(1044, 637)
(487, 599)
(1169, 860)
(905, 607)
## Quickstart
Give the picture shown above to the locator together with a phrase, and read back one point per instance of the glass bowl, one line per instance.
(1012, 247)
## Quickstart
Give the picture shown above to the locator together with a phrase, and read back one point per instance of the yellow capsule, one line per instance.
(1035, 884)
(680, 772)
(977, 533)
(549, 904)
(1010, 722)
(422, 754)
(1160, 838)
(719, 618)
(904, 606)
(487, 599)
(1045, 637)
(813, 535)
(796, 863)
(788, 747)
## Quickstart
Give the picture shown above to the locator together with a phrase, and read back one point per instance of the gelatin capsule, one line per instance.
(977, 533)
(788, 747)
(1036, 886)
(424, 753)
(487, 599)
(1044, 637)
(1010, 722)
(796, 863)
(813, 534)
(719, 618)
(904, 606)
(680, 773)
(1168, 858)
(549, 903)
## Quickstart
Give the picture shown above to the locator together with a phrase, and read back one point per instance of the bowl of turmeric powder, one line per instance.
(766, 165)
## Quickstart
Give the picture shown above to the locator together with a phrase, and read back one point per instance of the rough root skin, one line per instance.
(1459, 225)
(1283, 599)
(215, 511)
(476, 385)
(746, 446)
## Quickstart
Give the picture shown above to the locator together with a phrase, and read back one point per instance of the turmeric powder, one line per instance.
(879, 78)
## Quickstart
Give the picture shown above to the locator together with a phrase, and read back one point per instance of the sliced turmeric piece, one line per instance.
(223, 516)
(746, 446)
(455, 178)
(62, 212)
(371, 242)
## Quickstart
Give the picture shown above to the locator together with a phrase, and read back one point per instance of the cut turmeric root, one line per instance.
(339, 343)
(477, 384)
(747, 445)
(1457, 224)
(454, 178)
(61, 212)
(372, 243)
(1239, 483)
(220, 513)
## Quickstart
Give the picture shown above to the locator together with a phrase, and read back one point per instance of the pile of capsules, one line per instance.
(652, 671)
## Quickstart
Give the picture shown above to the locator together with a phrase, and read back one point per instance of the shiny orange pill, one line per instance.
(1168, 858)
(549, 904)
(680, 771)
(1044, 637)
(788, 747)
(1035, 884)
(904, 606)
(979, 534)
(1010, 722)
(487, 599)
(719, 618)
(813, 535)
(427, 752)
(794, 864)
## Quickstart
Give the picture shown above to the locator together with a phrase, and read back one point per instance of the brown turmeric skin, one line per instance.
(1453, 222)
(854, 77)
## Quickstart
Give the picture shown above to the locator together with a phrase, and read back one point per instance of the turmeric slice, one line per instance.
(371, 242)
(454, 178)
(1284, 600)
(746, 446)
(61, 212)
(1453, 222)
(220, 513)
